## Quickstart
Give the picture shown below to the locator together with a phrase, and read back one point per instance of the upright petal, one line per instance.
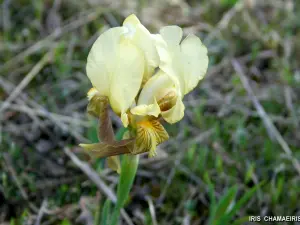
(170, 57)
(187, 61)
(127, 76)
(101, 59)
(142, 38)
(171, 34)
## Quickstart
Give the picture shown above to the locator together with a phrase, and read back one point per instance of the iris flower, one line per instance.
(143, 77)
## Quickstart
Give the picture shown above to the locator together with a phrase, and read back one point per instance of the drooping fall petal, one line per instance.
(149, 134)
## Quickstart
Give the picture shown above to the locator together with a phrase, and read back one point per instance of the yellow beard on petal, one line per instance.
(149, 134)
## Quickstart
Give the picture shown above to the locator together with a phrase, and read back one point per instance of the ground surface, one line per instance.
(241, 125)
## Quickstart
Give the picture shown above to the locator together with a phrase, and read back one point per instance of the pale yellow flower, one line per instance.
(161, 96)
(182, 66)
(120, 59)
(145, 78)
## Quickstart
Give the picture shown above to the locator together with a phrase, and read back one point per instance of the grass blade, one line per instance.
(239, 204)
(105, 213)
(225, 202)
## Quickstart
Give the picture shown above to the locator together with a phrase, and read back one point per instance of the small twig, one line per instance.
(272, 130)
(85, 216)
(246, 58)
(41, 213)
(54, 182)
(192, 176)
(13, 173)
(6, 18)
(168, 182)
(34, 71)
(152, 210)
(111, 20)
(34, 111)
(187, 219)
(55, 34)
(290, 106)
(58, 118)
(93, 176)
(223, 23)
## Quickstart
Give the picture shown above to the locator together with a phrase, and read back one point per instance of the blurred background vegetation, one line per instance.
(234, 154)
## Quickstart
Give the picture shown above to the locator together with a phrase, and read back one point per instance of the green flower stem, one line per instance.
(128, 172)
(129, 165)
